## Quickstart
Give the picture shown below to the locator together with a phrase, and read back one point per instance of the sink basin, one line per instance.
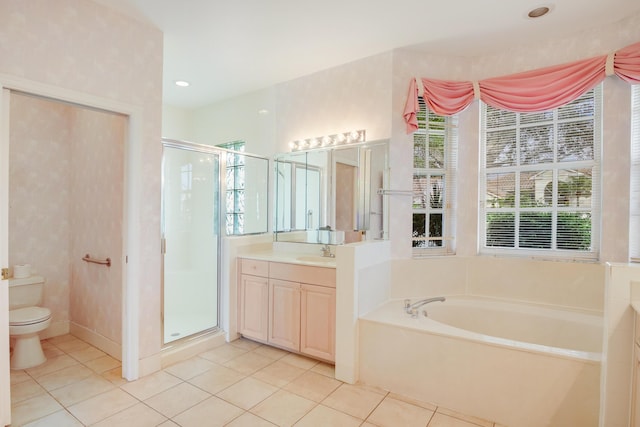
(316, 259)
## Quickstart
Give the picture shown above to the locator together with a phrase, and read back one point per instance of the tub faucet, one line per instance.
(412, 308)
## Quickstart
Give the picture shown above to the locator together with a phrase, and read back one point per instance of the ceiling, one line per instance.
(227, 48)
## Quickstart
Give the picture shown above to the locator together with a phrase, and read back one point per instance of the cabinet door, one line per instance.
(284, 314)
(636, 392)
(254, 306)
(318, 322)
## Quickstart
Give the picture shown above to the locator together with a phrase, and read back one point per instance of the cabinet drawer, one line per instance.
(254, 267)
(303, 274)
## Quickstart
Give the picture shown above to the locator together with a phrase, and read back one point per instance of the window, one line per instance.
(234, 180)
(634, 222)
(541, 179)
(434, 163)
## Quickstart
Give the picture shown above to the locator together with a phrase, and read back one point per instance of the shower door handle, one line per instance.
(163, 246)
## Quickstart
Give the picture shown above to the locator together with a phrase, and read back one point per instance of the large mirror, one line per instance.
(330, 195)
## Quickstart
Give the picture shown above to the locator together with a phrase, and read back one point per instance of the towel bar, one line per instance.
(88, 258)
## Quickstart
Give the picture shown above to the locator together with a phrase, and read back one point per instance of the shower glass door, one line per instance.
(190, 239)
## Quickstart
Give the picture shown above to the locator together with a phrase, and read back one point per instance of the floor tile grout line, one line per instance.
(244, 375)
(65, 407)
(431, 417)
(376, 407)
(257, 379)
(279, 388)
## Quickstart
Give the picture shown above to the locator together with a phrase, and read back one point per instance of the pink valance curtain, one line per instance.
(536, 90)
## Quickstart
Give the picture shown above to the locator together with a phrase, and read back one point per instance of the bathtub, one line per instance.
(513, 363)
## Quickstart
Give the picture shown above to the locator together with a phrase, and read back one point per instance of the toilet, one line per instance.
(26, 321)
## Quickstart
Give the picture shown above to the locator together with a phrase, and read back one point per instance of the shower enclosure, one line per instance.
(191, 233)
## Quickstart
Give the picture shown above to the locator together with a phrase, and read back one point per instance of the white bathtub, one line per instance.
(517, 364)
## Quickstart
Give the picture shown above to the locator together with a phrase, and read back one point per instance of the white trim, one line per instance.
(103, 343)
(5, 390)
(131, 250)
(131, 205)
(56, 329)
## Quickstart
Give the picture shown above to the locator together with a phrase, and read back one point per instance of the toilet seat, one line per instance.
(28, 316)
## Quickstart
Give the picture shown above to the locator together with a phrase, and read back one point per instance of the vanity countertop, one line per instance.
(291, 258)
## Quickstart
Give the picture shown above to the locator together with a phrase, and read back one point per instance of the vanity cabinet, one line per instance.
(284, 314)
(292, 306)
(317, 321)
(254, 299)
(635, 396)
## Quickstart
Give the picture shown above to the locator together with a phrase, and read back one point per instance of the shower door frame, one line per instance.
(205, 149)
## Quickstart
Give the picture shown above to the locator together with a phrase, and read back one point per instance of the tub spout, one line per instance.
(409, 308)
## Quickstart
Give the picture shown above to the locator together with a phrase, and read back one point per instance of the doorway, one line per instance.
(130, 243)
(66, 187)
(191, 240)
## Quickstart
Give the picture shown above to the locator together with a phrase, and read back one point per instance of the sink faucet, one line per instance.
(412, 308)
(326, 251)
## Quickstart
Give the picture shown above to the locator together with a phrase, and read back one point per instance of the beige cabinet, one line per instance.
(318, 321)
(284, 314)
(636, 391)
(253, 300)
(298, 311)
(635, 395)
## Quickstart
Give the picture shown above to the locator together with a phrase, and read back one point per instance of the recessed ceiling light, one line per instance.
(538, 12)
(263, 111)
(182, 83)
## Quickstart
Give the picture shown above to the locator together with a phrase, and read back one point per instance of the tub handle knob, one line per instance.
(414, 313)
(407, 304)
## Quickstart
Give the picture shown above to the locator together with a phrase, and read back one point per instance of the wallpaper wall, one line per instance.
(39, 193)
(353, 96)
(88, 48)
(66, 186)
(97, 173)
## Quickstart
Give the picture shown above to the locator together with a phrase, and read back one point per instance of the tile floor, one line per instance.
(238, 384)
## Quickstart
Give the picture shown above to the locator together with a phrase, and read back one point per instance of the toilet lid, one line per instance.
(28, 315)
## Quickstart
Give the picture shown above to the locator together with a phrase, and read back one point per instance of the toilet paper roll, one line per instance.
(21, 270)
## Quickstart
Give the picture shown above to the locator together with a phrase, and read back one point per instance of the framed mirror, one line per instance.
(330, 195)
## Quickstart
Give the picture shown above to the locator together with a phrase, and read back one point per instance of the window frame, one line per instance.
(448, 130)
(556, 166)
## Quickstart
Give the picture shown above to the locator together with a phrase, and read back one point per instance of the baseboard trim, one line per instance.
(103, 343)
(58, 328)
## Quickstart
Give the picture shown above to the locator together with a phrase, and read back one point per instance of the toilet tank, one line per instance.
(25, 292)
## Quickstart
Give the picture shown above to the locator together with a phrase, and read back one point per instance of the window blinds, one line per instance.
(634, 218)
(541, 178)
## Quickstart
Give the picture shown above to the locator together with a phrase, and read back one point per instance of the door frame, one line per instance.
(131, 274)
(206, 149)
(5, 389)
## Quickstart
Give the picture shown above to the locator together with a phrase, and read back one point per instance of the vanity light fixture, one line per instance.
(182, 83)
(343, 138)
